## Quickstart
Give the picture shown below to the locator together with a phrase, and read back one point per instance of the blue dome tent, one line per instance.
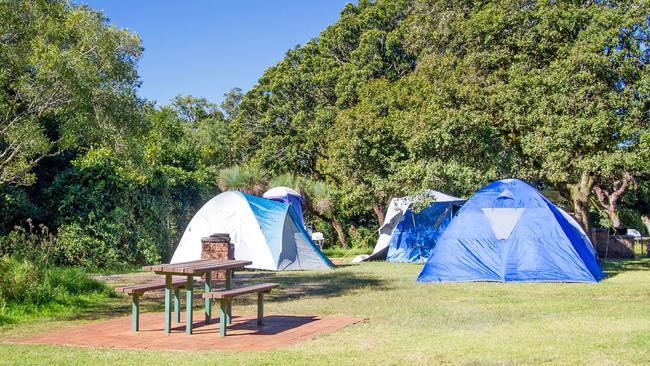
(409, 236)
(508, 231)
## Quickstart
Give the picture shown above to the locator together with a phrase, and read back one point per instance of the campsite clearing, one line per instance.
(458, 323)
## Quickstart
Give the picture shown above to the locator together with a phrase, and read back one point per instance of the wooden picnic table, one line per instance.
(190, 270)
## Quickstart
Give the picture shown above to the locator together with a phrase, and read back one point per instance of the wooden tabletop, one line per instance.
(196, 267)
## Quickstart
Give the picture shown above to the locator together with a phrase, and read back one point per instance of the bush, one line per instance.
(20, 281)
(33, 244)
(25, 283)
(363, 237)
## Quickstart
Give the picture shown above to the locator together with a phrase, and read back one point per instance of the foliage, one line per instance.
(245, 179)
(24, 283)
(450, 95)
(395, 97)
(67, 79)
(33, 244)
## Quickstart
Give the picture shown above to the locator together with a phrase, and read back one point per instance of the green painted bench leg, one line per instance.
(223, 303)
(207, 287)
(189, 299)
(229, 274)
(177, 304)
(168, 298)
(229, 313)
(135, 312)
(260, 307)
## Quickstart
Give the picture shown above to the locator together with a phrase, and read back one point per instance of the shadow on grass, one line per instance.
(613, 267)
(321, 284)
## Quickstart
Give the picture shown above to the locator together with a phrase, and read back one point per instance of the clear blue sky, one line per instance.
(205, 48)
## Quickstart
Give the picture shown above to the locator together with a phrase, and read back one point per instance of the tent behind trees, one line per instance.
(508, 231)
(263, 231)
(408, 235)
(288, 196)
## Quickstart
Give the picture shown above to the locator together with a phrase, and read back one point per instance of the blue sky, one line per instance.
(205, 48)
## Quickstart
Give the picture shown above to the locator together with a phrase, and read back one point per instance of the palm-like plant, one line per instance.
(319, 200)
(289, 180)
(244, 179)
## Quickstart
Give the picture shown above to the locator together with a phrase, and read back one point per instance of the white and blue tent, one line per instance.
(409, 236)
(263, 231)
(508, 231)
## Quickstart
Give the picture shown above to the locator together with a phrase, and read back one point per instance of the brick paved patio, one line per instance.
(243, 334)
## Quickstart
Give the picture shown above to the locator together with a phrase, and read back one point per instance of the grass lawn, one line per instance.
(409, 323)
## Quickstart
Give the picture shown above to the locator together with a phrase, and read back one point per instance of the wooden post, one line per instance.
(177, 304)
(260, 307)
(135, 312)
(189, 298)
(168, 295)
(222, 317)
(208, 302)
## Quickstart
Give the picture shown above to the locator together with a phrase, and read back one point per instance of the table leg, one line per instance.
(135, 312)
(168, 298)
(189, 298)
(228, 303)
(222, 317)
(208, 302)
(260, 307)
(177, 304)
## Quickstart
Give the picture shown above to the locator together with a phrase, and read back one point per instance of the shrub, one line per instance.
(25, 283)
(363, 237)
(33, 244)
(72, 281)
(20, 281)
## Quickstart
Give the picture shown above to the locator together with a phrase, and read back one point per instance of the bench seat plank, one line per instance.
(149, 286)
(260, 287)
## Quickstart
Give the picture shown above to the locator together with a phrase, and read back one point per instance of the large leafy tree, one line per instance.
(67, 78)
(283, 119)
(561, 88)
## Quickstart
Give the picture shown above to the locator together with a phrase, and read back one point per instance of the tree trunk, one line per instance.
(646, 222)
(336, 224)
(610, 200)
(580, 193)
(380, 213)
(613, 215)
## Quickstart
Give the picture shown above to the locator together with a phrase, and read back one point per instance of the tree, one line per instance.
(365, 147)
(230, 104)
(591, 106)
(561, 87)
(67, 79)
(192, 109)
(282, 120)
(610, 200)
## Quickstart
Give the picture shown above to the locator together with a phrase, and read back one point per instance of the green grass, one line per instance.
(338, 252)
(409, 323)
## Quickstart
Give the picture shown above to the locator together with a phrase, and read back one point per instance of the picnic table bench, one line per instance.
(190, 270)
(225, 302)
(135, 291)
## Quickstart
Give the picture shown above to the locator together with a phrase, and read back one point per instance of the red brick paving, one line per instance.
(243, 334)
